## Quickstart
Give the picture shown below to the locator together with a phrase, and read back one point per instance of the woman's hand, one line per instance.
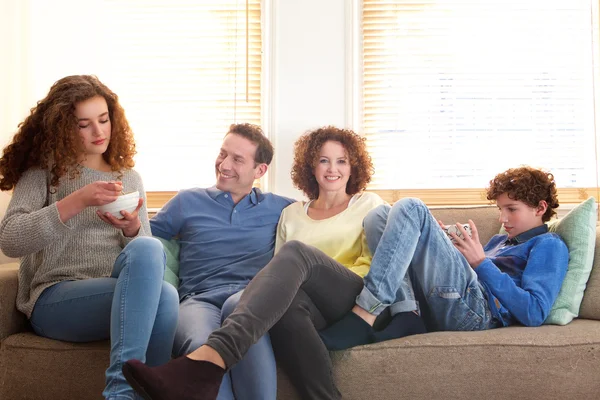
(470, 247)
(95, 194)
(130, 223)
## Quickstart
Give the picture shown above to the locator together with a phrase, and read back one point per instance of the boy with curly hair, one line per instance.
(460, 285)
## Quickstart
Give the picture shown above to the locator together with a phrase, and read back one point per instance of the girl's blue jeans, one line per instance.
(134, 307)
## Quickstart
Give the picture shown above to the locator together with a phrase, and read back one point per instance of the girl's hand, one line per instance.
(470, 247)
(130, 223)
(94, 194)
(99, 193)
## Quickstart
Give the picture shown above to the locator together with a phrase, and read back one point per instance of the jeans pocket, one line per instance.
(451, 311)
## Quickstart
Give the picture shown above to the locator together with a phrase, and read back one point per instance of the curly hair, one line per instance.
(49, 137)
(264, 148)
(306, 156)
(526, 184)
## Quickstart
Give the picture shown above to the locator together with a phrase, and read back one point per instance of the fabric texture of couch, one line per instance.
(550, 361)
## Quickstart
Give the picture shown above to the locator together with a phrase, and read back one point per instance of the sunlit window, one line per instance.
(183, 69)
(457, 91)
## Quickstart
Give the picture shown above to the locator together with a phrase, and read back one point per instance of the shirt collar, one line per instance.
(525, 236)
(255, 196)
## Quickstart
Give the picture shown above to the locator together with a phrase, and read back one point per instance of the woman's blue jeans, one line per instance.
(413, 258)
(134, 307)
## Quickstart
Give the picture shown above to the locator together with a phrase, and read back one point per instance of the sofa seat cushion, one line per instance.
(51, 366)
(544, 362)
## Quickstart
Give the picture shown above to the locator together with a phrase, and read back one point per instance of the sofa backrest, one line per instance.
(590, 306)
(485, 218)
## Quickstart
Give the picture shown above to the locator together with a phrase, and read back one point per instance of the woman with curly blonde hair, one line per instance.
(85, 275)
(321, 257)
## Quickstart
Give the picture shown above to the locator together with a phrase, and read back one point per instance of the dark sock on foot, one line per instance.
(348, 332)
(181, 378)
(402, 324)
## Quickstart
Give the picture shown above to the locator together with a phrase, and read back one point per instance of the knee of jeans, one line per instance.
(376, 217)
(151, 248)
(293, 247)
(146, 244)
(230, 304)
(409, 203)
(169, 299)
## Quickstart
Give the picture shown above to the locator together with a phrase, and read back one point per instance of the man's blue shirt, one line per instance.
(523, 275)
(222, 243)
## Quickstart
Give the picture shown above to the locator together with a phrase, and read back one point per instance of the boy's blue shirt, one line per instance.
(523, 275)
(222, 243)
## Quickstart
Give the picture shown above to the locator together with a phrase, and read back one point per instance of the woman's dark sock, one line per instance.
(402, 324)
(181, 378)
(348, 332)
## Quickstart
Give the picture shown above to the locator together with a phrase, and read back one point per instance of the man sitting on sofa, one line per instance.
(227, 234)
(461, 285)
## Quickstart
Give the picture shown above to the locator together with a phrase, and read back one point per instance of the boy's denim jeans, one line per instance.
(134, 307)
(413, 257)
(255, 376)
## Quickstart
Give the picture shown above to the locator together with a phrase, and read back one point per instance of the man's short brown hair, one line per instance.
(264, 148)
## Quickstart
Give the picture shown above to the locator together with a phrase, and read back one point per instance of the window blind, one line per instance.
(184, 70)
(454, 92)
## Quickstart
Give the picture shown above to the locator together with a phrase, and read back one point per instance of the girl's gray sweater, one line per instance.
(52, 251)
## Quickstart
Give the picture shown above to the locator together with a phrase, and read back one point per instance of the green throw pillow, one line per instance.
(172, 251)
(578, 230)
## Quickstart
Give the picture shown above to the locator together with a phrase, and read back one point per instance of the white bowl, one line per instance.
(126, 202)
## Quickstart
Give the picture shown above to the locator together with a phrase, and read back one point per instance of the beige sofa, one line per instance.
(549, 362)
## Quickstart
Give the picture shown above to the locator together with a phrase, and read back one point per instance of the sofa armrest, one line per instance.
(11, 320)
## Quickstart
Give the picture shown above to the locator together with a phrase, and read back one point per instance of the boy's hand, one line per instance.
(130, 223)
(470, 247)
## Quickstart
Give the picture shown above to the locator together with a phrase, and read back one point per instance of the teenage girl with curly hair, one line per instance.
(321, 257)
(84, 275)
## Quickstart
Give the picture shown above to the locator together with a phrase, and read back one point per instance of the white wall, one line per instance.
(309, 61)
(13, 68)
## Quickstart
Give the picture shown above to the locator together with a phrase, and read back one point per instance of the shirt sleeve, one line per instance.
(542, 278)
(167, 223)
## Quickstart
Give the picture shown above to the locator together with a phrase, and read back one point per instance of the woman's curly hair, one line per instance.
(306, 156)
(49, 137)
(526, 184)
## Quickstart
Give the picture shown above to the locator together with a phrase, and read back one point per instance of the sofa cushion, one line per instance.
(578, 230)
(11, 320)
(552, 362)
(172, 252)
(32, 367)
(49, 369)
(590, 307)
